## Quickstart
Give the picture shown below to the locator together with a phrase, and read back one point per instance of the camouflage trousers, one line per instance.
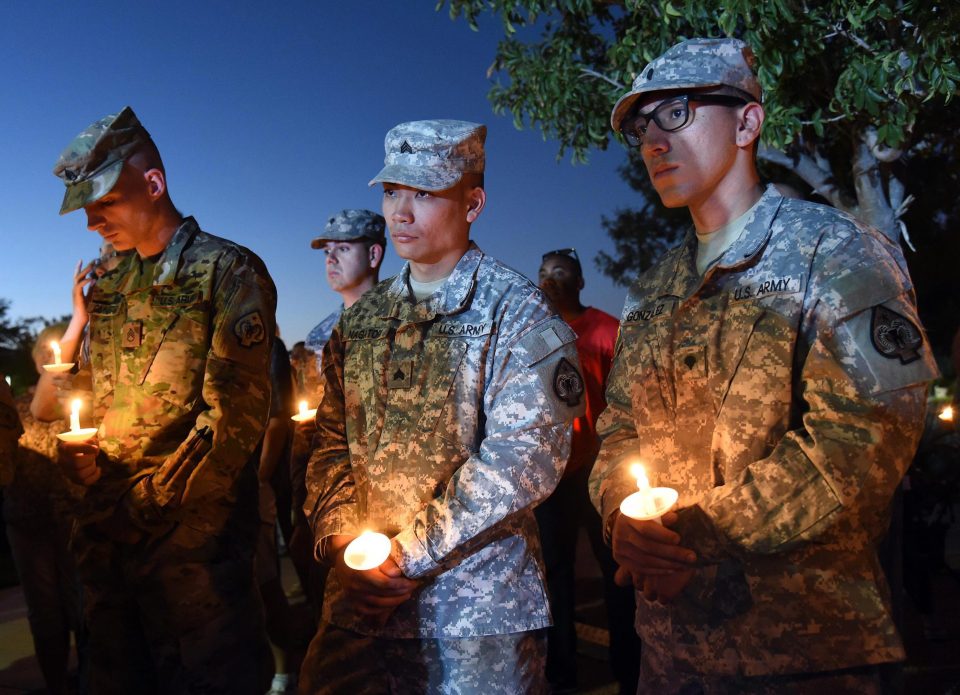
(177, 614)
(342, 661)
(657, 677)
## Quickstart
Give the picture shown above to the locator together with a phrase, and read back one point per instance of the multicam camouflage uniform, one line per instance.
(181, 395)
(782, 394)
(442, 423)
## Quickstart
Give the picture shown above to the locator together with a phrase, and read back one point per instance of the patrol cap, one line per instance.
(690, 64)
(352, 225)
(90, 165)
(432, 155)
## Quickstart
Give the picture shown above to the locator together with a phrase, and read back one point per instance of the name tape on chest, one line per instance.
(365, 334)
(464, 330)
(767, 286)
(170, 300)
(658, 309)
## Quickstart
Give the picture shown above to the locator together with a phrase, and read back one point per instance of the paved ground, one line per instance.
(933, 667)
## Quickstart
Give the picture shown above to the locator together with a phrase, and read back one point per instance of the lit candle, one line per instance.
(368, 550)
(304, 414)
(57, 366)
(946, 414)
(76, 433)
(647, 503)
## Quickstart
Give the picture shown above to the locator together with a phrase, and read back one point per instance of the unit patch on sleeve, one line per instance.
(894, 335)
(249, 330)
(567, 383)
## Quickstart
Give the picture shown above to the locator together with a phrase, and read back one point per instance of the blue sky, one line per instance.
(270, 117)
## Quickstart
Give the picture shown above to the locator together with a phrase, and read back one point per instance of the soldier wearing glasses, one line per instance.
(773, 370)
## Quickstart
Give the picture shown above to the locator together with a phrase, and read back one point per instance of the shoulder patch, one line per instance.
(249, 329)
(894, 335)
(545, 339)
(567, 383)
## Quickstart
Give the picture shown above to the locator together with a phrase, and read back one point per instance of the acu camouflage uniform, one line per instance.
(442, 424)
(782, 395)
(181, 394)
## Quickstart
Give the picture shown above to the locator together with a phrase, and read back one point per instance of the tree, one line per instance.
(845, 81)
(855, 91)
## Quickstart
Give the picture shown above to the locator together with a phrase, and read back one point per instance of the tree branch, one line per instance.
(874, 206)
(593, 73)
(819, 177)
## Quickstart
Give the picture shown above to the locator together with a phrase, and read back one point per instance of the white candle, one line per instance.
(75, 415)
(58, 367)
(305, 413)
(368, 550)
(647, 503)
(76, 433)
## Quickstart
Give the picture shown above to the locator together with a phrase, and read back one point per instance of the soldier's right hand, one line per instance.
(375, 592)
(79, 462)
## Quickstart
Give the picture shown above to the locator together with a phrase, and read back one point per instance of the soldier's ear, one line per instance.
(476, 199)
(156, 183)
(749, 124)
(375, 255)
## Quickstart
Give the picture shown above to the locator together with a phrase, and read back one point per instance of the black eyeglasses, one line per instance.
(671, 114)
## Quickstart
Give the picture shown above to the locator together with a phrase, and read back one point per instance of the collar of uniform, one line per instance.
(451, 298)
(756, 233)
(166, 271)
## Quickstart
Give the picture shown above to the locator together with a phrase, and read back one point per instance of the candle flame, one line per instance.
(946, 414)
(75, 414)
(637, 471)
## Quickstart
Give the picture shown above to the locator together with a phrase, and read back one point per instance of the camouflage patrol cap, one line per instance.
(693, 64)
(432, 155)
(91, 164)
(353, 225)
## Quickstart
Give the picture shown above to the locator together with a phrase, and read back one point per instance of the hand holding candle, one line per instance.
(368, 550)
(76, 433)
(647, 503)
(305, 414)
(57, 367)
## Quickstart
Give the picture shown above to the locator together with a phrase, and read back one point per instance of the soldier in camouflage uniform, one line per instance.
(179, 340)
(353, 243)
(772, 369)
(448, 394)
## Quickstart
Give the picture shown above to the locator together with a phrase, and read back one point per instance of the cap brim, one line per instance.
(82, 193)
(625, 103)
(423, 178)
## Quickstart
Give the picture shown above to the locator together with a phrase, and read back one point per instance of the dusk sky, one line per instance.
(270, 117)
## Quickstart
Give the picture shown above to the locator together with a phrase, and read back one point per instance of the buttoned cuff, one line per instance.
(410, 554)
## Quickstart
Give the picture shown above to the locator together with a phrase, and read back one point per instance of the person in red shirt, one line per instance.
(568, 509)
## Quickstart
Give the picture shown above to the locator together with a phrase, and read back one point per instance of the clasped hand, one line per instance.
(375, 592)
(651, 558)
